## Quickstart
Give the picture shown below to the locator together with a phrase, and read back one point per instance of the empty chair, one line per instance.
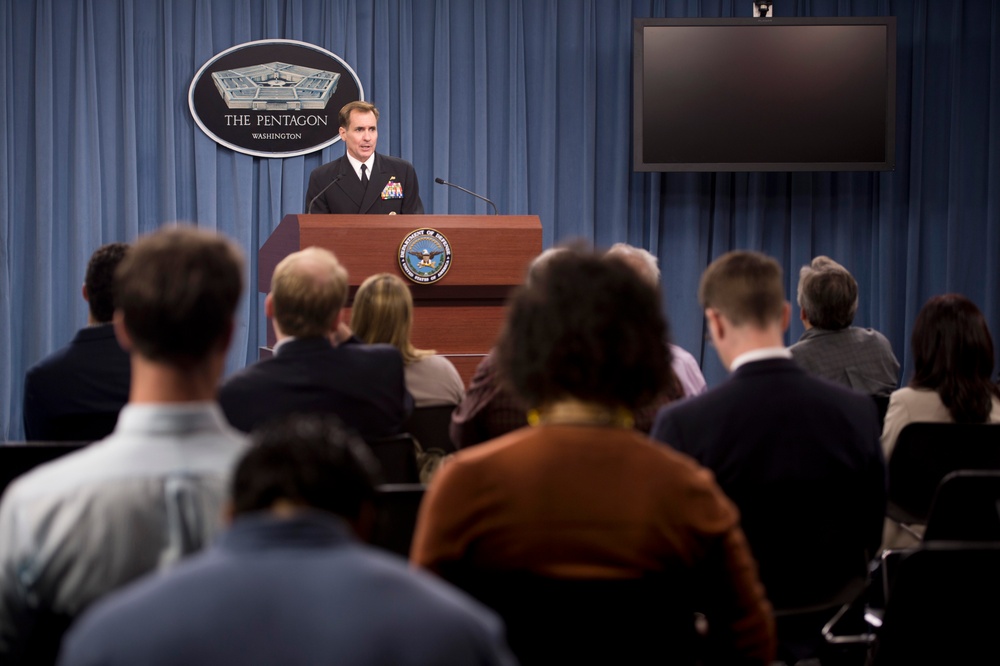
(966, 507)
(943, 606)
(925, 453)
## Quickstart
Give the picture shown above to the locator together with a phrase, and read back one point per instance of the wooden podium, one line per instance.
(461, 314)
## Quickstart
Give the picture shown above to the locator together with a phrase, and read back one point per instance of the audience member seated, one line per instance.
(75, 394)
(798, 455)
(79, 527)
(362, 384)
(289, 582)
(581, 494)
(382, 311)
(952, 364)
(686, 368)
(860, 358)
(490, 409)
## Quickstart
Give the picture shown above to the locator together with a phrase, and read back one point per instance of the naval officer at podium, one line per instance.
(363, 181)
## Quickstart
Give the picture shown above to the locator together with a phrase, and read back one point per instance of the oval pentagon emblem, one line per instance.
(425, 256)
(273, 97)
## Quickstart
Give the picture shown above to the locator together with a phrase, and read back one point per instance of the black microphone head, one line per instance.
(439, 181)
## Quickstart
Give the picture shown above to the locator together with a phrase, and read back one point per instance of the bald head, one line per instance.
(308, 290)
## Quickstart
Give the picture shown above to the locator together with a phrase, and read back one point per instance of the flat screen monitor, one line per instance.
(764, 94)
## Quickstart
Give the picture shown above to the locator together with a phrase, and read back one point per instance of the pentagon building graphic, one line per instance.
(276, 86)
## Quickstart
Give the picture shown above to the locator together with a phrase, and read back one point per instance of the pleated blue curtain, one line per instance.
(527, 101)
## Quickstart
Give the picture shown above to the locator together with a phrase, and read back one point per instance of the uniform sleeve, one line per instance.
(315, 187)
(412, 205)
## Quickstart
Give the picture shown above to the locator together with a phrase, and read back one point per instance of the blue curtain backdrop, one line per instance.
(526, 100)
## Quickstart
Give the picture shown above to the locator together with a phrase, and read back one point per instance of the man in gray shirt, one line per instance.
(152, 492)
(830, 347)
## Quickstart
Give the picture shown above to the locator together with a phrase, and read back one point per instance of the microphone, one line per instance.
(310, 208)
(441, 181)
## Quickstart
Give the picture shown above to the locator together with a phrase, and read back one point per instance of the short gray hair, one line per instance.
(827, 294)
(641, 261)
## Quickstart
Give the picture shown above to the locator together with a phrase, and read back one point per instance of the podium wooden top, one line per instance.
(487, 250)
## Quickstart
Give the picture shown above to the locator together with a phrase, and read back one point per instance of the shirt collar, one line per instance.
(171, 417)
(759, 355)
(356, 165)
(281, 343)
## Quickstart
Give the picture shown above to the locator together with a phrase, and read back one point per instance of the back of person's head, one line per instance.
(953, 355)
(100, 280)
(540, 263)
(585, 328)
(827, 294)
(643, 262)
(382, 311)
(308, 290)
(177, 291)
(745, 287)
(306, 461)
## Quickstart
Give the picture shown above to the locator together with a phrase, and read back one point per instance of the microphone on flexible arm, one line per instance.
(310, 208)
(441, 181)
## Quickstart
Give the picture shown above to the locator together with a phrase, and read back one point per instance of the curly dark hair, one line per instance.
(310, 460)
(586, 328)
(100, 280)
(953, 355)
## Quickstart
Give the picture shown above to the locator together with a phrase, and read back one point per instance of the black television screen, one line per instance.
(789, 94)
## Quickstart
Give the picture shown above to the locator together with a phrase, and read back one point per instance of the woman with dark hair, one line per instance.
(953, 364)
(579, 493)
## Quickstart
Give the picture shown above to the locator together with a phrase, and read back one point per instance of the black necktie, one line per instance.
(364, 176)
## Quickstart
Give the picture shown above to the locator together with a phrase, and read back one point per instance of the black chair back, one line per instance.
(925, 453)
(943, 606)
(396, 509)
(881, 406)
(87, 427)
(397, 454)
(16, 458)
(966, 507)
(594, 621)
(429, 426)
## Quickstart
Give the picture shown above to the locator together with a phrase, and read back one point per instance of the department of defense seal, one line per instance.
(425, 256)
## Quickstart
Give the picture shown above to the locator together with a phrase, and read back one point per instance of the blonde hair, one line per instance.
(308, 290)
(383, 312)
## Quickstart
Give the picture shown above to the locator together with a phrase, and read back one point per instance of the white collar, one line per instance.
(761, 354)
(356, 164)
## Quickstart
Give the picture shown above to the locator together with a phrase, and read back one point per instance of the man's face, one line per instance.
(361, 136)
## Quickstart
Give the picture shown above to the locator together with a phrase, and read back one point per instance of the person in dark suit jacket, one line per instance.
(362, 384)
(363, 181)
(799, 455)
(75, 394)
(290, 582)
